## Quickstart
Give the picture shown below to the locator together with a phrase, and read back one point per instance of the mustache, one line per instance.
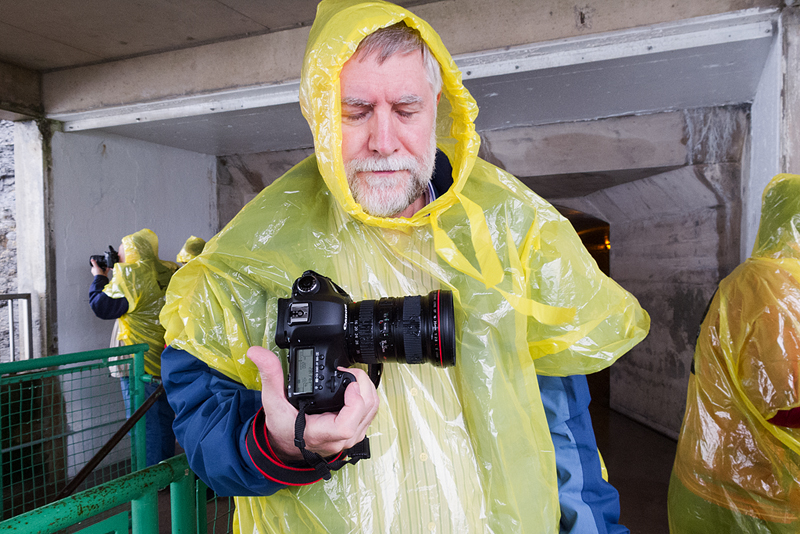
(389, 163)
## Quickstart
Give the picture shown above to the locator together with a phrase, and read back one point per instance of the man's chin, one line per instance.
(384, 178)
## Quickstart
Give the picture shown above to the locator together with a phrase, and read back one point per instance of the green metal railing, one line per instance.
(55, 413)
(140, 488)
(189, 510)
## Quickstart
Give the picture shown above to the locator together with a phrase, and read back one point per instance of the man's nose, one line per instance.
(383, 138)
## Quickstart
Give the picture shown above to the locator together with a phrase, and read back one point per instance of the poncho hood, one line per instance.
(335, 36)
(779, 229)
(191, 249)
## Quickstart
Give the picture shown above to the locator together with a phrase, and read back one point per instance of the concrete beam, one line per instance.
(20, 93)
(466, 26)
(579, 158)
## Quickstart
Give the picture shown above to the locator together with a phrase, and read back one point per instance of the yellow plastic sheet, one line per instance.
(463, 449)
(142, 280)
(191, 249)
(747, 368)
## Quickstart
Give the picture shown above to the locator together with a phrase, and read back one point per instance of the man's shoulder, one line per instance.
(491, 186)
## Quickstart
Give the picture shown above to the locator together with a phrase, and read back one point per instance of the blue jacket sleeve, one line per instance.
(212, 417)
(102, 305)
(589, 504)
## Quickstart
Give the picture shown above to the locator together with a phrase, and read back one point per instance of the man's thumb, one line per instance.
(270, 369)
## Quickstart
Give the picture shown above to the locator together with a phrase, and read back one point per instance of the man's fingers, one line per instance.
(360, 406)
(270, 370)
(367, 391)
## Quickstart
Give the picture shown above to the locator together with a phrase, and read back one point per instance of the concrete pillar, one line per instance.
(35, 250)
(791, 91)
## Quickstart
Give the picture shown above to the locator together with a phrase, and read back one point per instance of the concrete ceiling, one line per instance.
(46, 35)
(710, 62)
(541, 84)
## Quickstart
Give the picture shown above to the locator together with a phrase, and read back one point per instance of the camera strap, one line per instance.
(360, 451)
(312, 469)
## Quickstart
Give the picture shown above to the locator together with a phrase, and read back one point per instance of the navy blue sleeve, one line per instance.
(589, 504)
(102, 305)
(213, 415)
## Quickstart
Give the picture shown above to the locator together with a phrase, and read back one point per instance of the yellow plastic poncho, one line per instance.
(191, 249)
(734, 470)
(142, 280)
(463, 449)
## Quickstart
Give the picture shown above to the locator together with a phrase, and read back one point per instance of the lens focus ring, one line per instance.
(412, 340)
(366, 336)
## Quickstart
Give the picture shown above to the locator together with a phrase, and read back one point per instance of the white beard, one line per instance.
(384, 196)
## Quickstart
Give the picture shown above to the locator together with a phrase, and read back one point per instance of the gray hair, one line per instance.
(400, 38)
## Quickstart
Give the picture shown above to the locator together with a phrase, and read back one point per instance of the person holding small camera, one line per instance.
(388, 208)
(133, 298)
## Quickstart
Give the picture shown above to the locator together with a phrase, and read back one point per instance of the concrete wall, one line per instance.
(241, 177)
(103, 188)
(674, 236)
(106, 187)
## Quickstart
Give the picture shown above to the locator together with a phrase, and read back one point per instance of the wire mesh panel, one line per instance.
(218, 511)
(53, 420)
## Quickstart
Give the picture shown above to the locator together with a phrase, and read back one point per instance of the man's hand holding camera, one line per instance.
(325, 433)
(96, 269)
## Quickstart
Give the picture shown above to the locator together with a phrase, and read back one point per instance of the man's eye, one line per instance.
(406, 114)
(354, 117)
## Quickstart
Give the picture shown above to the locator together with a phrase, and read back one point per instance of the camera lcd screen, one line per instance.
(303, 371)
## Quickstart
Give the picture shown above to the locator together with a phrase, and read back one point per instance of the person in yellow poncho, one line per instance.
(390, 206)
(737, 467)
(134, 297)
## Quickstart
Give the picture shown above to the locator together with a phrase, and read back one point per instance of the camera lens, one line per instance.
(415, 329)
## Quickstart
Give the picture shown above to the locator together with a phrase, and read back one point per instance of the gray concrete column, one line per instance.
(791, 91)
(35, 251)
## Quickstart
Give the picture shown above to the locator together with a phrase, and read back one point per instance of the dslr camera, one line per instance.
(324, 329)
(106, 260)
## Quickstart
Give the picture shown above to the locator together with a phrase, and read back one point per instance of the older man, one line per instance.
(383, 213)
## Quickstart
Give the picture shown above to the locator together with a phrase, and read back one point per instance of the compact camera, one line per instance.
(107, 260)
(324, 329)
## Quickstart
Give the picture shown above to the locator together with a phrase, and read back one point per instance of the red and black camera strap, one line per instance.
(315, 467)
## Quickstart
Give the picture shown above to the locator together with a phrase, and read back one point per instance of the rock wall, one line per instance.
(8, 230)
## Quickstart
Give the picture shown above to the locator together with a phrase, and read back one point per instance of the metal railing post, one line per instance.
(11, 330)
(2, 486)
(139, 456)
(201, 506)
(25, 325)
(181, 497)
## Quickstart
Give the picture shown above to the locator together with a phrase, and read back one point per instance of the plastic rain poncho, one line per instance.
(142, 280)
(191, 249)
(747, 368)
(462, 449)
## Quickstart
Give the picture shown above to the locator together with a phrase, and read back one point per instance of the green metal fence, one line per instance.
(55, 414)
(189, 511)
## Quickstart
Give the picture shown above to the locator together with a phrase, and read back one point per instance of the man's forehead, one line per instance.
(401, 75)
